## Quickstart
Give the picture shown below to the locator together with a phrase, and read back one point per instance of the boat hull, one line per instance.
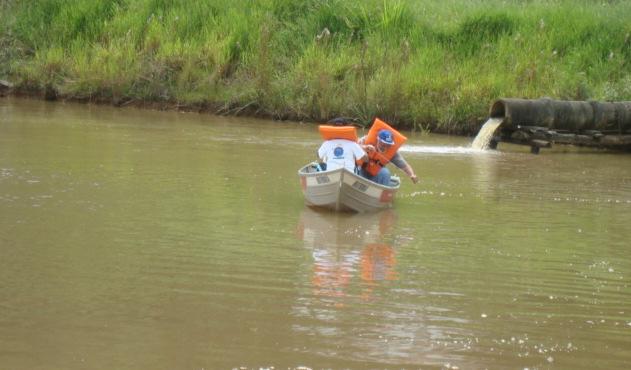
(342, 190)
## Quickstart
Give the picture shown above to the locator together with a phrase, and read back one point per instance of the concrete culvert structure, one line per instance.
(563, 115)
(542, 122)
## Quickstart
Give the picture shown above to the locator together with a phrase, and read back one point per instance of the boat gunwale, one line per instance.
(302, 172)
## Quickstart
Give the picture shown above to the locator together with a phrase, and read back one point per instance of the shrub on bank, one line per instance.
(433, 64)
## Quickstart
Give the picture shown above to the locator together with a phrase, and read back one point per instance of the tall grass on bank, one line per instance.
(422, 64)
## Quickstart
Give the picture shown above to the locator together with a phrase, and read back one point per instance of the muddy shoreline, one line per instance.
(217, 108)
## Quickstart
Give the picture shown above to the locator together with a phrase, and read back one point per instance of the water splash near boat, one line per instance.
(483, 139)
(438, 149)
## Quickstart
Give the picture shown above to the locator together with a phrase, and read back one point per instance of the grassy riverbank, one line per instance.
(425, 64)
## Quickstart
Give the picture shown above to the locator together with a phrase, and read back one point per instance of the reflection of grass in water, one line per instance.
(435, 65)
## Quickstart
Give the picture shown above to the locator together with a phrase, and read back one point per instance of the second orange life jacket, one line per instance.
(377, 160)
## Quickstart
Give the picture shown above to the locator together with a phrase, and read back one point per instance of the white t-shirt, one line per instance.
(339, 153)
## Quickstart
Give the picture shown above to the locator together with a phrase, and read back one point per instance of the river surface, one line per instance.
(136, 239)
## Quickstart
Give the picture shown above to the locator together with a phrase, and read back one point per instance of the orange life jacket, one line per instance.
(338, 132)
(377, 160)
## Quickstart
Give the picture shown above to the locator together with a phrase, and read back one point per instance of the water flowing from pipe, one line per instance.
(482, 140)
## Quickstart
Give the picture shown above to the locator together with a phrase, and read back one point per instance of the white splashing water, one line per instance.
(482, 140)
(438, 149)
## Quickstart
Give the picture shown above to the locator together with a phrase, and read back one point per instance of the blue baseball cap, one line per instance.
(385, 136)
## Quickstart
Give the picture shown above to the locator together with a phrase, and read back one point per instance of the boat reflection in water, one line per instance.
(350, 253)
(355, 309)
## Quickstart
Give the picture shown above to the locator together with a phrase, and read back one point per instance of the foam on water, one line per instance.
(439, 149)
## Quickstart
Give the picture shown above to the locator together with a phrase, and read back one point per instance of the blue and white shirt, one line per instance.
(339, 153)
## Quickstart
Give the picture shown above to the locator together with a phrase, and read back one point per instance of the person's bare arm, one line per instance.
(400, 162)
(410, 172)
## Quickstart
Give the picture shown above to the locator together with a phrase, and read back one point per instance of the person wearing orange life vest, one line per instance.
(379, 155)
(340, 148)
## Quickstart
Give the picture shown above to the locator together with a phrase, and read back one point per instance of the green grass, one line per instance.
(429, 64)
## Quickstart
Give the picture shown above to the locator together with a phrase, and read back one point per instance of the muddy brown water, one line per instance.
(134, 239)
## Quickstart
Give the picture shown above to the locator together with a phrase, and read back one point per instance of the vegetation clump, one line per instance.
(433, 65)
